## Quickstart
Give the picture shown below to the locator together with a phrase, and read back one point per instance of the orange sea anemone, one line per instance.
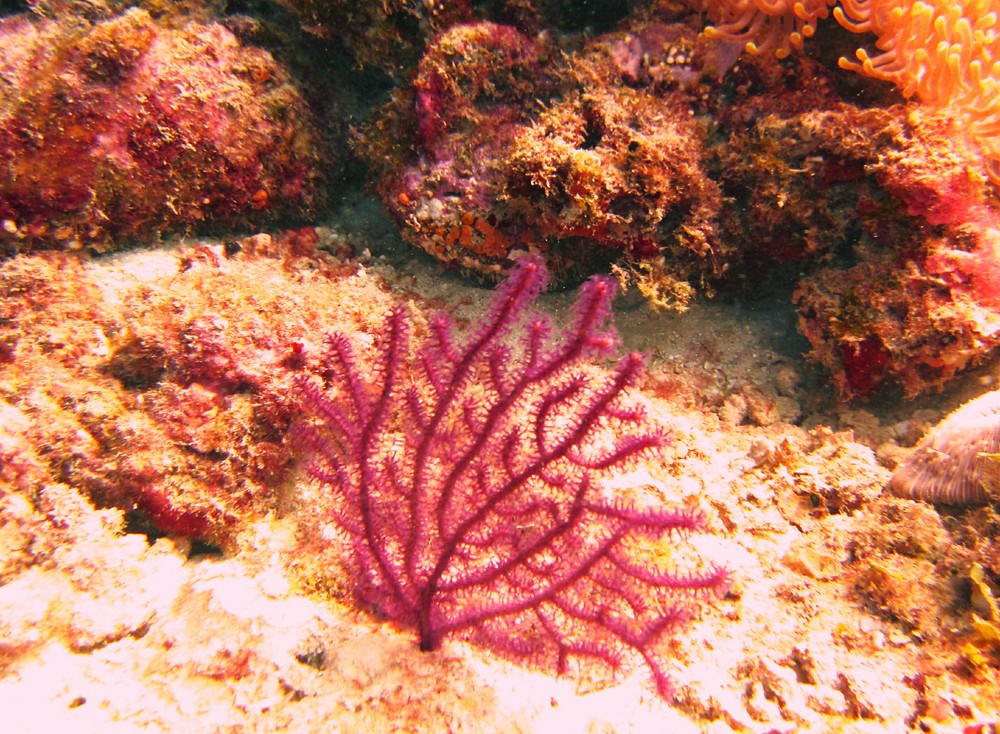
(766, 26)
(946, 52)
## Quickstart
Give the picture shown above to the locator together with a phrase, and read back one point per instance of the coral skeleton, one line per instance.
(467, 481)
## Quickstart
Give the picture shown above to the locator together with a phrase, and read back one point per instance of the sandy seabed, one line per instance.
(851, 610)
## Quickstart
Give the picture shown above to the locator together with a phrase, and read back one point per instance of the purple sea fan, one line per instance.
(466, 476)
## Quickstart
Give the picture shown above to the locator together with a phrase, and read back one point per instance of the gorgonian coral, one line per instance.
(467, 478)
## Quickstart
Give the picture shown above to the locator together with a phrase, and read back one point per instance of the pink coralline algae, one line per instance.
(125, 128)
(466, 478)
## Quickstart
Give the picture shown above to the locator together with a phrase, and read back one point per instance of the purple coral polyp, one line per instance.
(467, 479)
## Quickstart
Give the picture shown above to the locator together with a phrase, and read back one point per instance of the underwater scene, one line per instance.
(500, 366)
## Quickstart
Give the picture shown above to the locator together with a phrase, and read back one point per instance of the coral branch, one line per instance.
(467, 478)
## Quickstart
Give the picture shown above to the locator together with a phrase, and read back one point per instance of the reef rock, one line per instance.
(125, 128)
